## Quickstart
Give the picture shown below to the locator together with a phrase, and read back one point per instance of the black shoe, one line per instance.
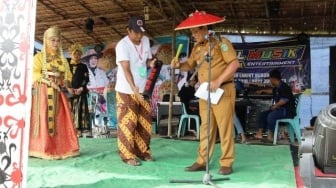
(225, 170)
(195, 167)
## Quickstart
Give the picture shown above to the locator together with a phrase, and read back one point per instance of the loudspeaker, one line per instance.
(89, 25)
(332, 75)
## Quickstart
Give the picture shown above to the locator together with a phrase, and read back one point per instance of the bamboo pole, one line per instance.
(172, 80)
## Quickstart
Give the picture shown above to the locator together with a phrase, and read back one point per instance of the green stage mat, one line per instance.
(99, 166)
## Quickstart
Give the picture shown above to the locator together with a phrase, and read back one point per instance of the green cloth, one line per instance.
(99, 166)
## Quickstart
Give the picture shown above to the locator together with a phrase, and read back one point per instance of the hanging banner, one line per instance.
(291, 57)
(16, 59)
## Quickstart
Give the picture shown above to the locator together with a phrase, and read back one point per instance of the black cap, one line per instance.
(137, 24)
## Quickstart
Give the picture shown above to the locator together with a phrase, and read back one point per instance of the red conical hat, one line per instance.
(199, 18)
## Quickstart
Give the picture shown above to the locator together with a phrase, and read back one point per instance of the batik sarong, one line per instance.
(134, 126)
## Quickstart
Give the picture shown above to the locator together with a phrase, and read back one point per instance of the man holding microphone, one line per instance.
(224, 64)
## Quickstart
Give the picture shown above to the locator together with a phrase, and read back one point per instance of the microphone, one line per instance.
(210, 34)
(179, 49)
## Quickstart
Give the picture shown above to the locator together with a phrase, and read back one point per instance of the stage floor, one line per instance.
(99, 166)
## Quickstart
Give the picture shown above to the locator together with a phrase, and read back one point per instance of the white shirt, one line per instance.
(137, 55)
(98, 80)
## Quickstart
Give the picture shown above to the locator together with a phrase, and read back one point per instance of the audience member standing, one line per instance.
(79, 100)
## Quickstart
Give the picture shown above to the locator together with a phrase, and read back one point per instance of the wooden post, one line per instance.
(172, 82)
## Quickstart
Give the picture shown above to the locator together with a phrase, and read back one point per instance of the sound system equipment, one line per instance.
(247, 111)
(317, 150)
(324, 150)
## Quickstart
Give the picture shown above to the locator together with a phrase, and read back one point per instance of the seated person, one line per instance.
(239, 128)
(240, 131)
(283, 107)
(187, 94)
(240, 89)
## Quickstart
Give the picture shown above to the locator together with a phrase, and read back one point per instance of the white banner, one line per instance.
(17, 28)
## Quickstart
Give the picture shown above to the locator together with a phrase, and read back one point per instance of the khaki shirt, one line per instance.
(222, 55)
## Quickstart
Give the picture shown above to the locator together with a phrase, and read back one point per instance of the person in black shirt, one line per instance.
(283, 106)
(79, 101)
(187, 94)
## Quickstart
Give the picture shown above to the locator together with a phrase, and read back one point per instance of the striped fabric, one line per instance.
(52, 103)
(134, 127)
(79, 108)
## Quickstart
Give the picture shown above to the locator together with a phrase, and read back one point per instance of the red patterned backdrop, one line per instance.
(17, 26)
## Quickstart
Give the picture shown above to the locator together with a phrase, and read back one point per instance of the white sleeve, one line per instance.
(147, 46)
(122, 53)
(150, 56)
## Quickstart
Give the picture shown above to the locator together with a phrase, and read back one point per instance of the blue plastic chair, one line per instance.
(185, 116)
(293, 124)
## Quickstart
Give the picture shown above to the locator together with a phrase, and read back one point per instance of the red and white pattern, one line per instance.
(17, 27)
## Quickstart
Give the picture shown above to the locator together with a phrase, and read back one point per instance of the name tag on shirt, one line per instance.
(143, 72)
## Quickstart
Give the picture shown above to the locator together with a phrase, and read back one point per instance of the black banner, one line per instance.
(291, 57)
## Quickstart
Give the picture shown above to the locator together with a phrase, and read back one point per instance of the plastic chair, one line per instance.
(293, 124)
(182, 124)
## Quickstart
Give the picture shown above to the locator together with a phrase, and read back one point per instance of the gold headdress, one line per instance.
(53, 31)
(76, 47)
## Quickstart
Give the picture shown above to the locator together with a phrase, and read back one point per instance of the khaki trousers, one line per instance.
(221, 118)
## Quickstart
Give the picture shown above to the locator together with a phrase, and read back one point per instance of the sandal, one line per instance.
(243, 138)
(147, 158)
(132, 162)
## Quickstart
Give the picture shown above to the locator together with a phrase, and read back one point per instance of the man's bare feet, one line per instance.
(259, 135)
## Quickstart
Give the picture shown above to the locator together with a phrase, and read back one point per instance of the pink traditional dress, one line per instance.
(52, 131)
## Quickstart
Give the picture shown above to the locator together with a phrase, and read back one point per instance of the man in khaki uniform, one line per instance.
(224, 64)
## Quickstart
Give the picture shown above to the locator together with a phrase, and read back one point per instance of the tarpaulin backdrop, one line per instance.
(291, 57)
